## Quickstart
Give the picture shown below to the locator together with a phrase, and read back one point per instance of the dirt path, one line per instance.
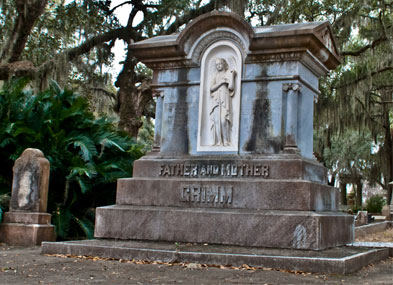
(20, 265)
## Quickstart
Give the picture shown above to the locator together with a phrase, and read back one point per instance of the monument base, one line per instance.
(339, 260)
(278, 201)
(26, 228)
(280, 229)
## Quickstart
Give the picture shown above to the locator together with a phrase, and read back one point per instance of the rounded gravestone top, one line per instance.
(32, 152)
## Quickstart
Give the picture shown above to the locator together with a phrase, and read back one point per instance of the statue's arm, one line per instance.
(231, 84)
(215, 85)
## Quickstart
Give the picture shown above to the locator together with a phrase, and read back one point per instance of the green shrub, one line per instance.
(87, 155)
(375, 204)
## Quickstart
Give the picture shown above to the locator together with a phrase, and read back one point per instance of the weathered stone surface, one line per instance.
(27, 223)
(387, 211)
(278, 69)
(341, 260)
(372, 228)
(316, 37)
(230, 167)
(228, 193)
(370, 244)
(233, 159)
(27, 218)
(26, 234)
(361, 218)
(283, 229)
(30, 182)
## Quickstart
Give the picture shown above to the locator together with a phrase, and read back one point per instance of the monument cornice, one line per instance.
(254, 79)
(184, 49)
(305, 41)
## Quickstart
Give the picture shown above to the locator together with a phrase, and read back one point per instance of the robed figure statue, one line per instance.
(222, 89)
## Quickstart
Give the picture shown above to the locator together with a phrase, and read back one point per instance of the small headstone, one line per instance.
(27, 222)
(30, 183)
(386, 211)
(361, 218)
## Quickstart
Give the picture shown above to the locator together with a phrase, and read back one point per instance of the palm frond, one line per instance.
(85, 144)
(86, 226)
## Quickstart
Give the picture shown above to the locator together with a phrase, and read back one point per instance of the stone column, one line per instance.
(27, 222)
(159, 94)
(291, 117)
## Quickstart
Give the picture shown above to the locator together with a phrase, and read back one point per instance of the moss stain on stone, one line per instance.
(180, 133)
(261, 140)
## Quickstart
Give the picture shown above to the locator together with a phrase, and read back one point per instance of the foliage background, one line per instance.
(86, 155)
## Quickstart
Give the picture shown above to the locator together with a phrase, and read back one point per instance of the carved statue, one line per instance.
(222, 88)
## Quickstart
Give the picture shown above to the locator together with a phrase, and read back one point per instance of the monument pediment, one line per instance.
(185, 48)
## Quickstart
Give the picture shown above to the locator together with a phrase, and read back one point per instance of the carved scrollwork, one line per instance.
(272, 57)
(211, 38)
(291, 86)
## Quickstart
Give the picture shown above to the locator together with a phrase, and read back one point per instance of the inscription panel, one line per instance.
(214, 170)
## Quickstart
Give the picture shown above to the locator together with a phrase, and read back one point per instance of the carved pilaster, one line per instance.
(292, 91)
(159, 95)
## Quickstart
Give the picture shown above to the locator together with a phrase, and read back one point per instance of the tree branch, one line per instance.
(189, 16)
(118, 6)
(365, 76)
(106, 92)
(18, 68)
(25, 68)
(365, 48)
(275, 13)
(28, 12)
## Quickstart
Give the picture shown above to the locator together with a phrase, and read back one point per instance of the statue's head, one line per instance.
(221, 64)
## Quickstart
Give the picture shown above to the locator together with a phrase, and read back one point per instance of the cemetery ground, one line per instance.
(25, 265)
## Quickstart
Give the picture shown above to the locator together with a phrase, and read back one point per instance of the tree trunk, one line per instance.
(238, 6)
(28, 11)
(359, 193)
(388, 147)
(133, 100)
(343, 193)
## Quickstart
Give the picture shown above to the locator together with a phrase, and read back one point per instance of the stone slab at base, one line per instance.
(26, 228)
(26, 234)
(372, 228)
(371, 244)
(27, 217)
(340, 260)
(280, 229)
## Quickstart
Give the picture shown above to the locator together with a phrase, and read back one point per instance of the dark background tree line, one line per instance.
(72, 43)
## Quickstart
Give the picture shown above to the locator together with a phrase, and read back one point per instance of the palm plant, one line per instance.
(87, 155)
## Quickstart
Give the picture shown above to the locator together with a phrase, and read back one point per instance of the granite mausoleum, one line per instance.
(27, 222)
(233, 157)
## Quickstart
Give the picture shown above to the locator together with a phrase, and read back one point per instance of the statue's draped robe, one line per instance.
(220, 113)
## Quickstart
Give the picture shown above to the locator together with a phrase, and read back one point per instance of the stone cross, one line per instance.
(30, 182)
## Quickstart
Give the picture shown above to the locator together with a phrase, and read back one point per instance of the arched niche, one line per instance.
(219, 98)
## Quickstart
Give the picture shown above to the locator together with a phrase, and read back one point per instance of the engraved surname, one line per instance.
(214, 194)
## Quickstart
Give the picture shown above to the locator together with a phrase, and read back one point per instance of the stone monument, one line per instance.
(233, 157)
(27, 222)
